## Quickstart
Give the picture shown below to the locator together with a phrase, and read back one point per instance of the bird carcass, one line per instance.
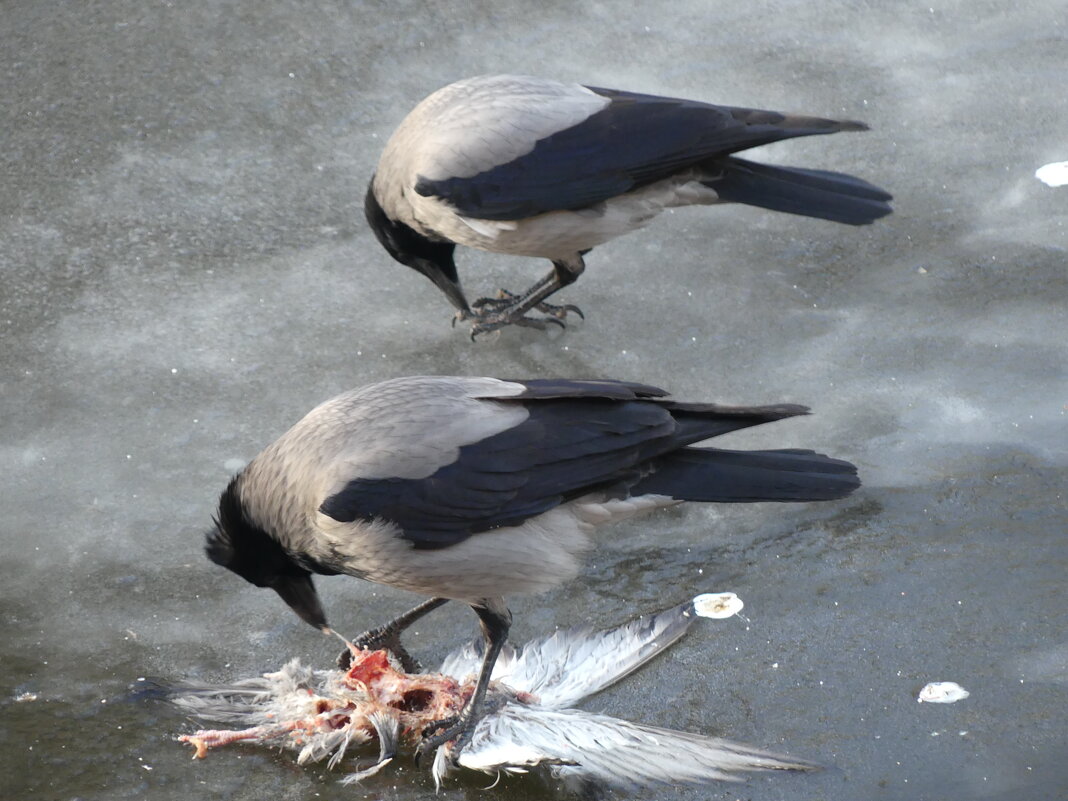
(531, 724)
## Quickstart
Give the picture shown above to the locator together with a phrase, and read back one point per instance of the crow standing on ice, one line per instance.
(475, 488)
(533, 167)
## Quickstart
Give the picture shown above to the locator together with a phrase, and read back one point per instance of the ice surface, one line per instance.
(185, 271)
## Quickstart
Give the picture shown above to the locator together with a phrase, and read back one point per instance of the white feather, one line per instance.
(569, 665)
(580, 744)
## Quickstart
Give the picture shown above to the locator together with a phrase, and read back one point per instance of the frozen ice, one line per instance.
(174, 200)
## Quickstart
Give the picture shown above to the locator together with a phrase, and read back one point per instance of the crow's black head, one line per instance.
(406, 245)
(239, 545)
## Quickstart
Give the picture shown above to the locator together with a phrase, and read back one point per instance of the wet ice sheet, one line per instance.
(186, 271)
(530, 722)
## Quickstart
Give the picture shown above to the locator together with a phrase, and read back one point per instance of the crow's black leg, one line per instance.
(496, 620)
(388, 636)
(490, 314)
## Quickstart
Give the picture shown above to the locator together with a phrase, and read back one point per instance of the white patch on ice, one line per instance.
(1053, 174)
(718, 605)
(1048, 664)
(958, 410)
(942, 692)
(234, 465)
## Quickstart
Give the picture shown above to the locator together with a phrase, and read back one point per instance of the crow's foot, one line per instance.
(377, 639)
(456, 729)
(508, 308)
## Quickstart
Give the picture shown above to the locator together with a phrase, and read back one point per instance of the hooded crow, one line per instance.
(533, 167)
(475, 488)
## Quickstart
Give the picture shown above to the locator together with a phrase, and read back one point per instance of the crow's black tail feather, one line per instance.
(821, 194)
(700, 421)
(720, 476)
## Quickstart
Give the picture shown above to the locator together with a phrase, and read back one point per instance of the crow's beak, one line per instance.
(299, 592)
(445, 279)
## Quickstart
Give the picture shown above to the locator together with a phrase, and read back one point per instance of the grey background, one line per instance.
(185, 271)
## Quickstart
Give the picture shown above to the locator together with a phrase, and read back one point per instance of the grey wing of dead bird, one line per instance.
(582, 747)
(571, 664)
(249, 702)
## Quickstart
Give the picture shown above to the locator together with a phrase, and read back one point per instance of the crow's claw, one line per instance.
(376, 640)
(560, 311)
(492, 314)
(456, 729)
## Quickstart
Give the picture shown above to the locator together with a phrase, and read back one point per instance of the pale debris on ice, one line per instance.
(1054, 174)
(718, 605)
(942, 692)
